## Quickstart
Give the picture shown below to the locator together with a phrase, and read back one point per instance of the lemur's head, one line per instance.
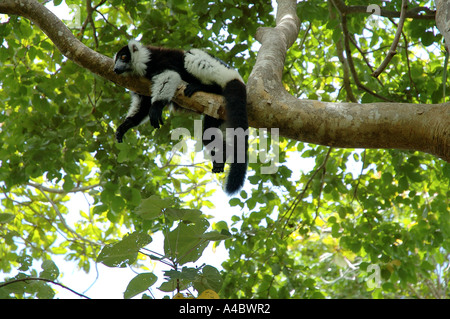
(132, 59)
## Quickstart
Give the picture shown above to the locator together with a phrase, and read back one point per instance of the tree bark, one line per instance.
(349, 125)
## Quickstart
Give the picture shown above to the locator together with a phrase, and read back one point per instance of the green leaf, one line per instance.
(191, 215)
(171, 285)
(68, 183)
(50, 270)
(6, 218)
(25, 261)
(186, 273)
(139, 284)
(152, 207)
(428, 38)
(210, 278)
(124, 252)
(135, 196)
(44, 291)
(215, 235)
(185, 243)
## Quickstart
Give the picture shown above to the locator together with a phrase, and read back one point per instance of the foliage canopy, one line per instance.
(330, 223)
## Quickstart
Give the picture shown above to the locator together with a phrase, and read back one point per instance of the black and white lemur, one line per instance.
(166, 69)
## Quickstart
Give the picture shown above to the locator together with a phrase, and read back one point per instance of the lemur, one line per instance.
(166, 68)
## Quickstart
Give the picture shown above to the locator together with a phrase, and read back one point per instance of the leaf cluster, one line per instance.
(182, 245)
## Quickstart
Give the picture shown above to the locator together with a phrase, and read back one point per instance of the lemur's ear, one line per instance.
(134, 47)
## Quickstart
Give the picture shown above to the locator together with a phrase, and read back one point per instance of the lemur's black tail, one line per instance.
(236, 106)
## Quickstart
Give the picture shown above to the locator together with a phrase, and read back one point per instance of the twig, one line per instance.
(62, 219)
(412, 13)
(408, 64)
(43, 279)
(61, 191)
(363, 55)
(393, 49)
(340, 53)
(300, 196)
(348, 52)
(322, 181)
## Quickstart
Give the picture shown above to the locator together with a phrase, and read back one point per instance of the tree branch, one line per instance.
(348, 52)
(412, 13)
(393, 49)
(343, 60)
(42, 279)
(61, 191)
(69, 45)
(377, 125)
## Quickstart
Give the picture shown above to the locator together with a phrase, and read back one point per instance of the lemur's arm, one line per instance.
(137, 113)
(164, 86)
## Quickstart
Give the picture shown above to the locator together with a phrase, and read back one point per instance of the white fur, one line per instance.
(140, 56)
(135, 105)
(208, 69)
(164, 85)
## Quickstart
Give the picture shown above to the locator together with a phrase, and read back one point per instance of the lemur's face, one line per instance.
(123, 61)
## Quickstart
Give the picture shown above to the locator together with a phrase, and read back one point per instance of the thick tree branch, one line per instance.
(377, 125)
(442, 20)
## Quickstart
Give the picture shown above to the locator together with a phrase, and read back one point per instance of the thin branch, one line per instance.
(358, 181)
(340, 53)
(413, 13)
(161, 260)
(90, 11)
(363, 55)
(322, 181)
(61, 191)
(102, 2)
(62, 219)
(348, 52)
(393, 49)
(300, 197)
(408, 64)
(42, 279)
(127, 36)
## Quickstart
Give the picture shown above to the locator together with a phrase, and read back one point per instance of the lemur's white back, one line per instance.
(208, 69)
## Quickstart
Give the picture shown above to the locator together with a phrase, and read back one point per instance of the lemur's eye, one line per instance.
(123, 57)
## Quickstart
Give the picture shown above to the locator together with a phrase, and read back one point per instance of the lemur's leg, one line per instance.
(218, 149)
(164, 86)
(137, 113)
